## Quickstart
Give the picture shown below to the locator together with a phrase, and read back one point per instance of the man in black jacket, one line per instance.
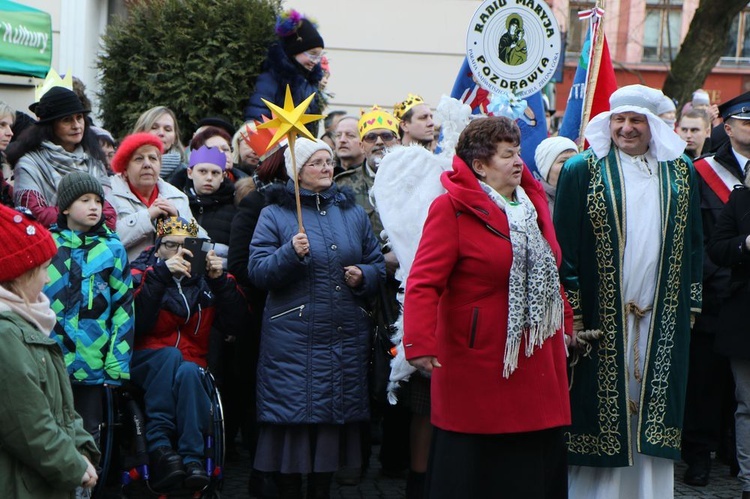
(709, 374)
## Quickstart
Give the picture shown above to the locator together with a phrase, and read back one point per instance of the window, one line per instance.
(661, 30)
(738, 43)
(577, 28)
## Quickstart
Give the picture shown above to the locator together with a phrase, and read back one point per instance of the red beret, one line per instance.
(129, 145)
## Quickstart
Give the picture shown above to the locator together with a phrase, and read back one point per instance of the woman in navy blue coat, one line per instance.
(315, 340)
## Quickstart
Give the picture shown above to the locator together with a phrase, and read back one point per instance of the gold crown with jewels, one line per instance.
(176, 226)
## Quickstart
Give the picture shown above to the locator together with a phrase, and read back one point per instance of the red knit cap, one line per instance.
(26, 244)
(129, 145)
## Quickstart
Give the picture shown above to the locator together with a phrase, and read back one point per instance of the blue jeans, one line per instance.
(741, 372)
(177, 405)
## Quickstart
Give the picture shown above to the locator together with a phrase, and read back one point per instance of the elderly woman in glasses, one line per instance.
(293, 60)
(312, 373)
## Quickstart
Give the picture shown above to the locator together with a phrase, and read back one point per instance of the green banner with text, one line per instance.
(25, 40)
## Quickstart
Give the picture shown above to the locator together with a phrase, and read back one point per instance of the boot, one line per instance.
(289, 485)
(319, 485)
(415, 485)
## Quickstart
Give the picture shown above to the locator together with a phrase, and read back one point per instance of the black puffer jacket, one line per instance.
(214, 212)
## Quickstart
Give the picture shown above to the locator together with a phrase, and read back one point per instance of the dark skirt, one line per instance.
(530, 465)
(419, 394)
(313, 448)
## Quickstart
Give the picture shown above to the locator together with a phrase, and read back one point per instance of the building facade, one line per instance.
(380, 51)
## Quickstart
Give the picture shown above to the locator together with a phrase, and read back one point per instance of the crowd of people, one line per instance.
(565, 335)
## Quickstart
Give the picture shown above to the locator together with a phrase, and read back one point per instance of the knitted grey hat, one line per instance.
(74, 185)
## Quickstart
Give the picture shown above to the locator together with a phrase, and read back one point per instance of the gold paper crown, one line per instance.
(400, 109)
(376, 118)
(176, 226)
(53, 80)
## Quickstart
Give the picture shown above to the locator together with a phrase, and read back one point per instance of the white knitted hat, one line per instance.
(548, 150)
(303, 149)
(665, 105)
(701, 97)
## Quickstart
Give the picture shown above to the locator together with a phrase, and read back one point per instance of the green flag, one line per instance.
(25, 40)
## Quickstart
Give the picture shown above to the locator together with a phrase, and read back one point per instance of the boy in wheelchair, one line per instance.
(174, 315)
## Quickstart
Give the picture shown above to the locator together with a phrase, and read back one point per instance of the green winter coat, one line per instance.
(41, 435)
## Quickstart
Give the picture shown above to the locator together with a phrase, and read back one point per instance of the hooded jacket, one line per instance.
(41, 435)
(315, 339)
(90, 292)
(456, 309)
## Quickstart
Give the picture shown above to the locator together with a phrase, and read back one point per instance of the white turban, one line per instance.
(665, 144)
(548, 150)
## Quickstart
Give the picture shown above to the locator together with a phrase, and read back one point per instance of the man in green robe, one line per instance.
(627, 216)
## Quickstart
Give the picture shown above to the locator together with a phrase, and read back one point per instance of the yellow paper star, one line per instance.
(290, 120)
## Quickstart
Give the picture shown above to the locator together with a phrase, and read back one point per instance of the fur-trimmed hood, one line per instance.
(283, 195)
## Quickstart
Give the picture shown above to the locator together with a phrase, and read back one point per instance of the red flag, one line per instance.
(605, 82)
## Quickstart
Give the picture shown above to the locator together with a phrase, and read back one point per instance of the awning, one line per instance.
(25, 40)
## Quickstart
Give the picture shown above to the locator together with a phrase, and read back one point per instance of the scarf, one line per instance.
(50, 163)
(535, 306)
(38, 313)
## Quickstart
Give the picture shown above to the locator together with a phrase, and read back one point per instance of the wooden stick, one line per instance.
(593, 76)
(291, 138)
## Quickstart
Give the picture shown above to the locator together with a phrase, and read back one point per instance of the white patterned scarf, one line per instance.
(535, 306)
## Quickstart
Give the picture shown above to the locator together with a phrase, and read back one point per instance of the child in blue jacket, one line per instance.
(90, 292)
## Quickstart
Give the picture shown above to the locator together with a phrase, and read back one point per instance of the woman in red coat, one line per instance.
(484, 316)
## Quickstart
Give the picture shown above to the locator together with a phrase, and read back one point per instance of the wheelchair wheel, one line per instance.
(107, 443)
(125, 463)
(215, 439)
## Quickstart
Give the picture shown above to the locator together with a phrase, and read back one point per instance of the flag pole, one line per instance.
(291, 140)
(593, 74)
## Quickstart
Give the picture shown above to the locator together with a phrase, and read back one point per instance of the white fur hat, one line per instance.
(303, 149)
(548, 150)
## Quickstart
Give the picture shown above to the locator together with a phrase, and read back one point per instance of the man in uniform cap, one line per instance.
(627, 219)
(709, 370)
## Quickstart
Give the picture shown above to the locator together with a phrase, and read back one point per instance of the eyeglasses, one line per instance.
(372, 137)
(320, 163)
(316, 58)
(171, 245)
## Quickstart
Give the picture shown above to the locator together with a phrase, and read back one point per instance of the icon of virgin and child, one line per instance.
(512, 46)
